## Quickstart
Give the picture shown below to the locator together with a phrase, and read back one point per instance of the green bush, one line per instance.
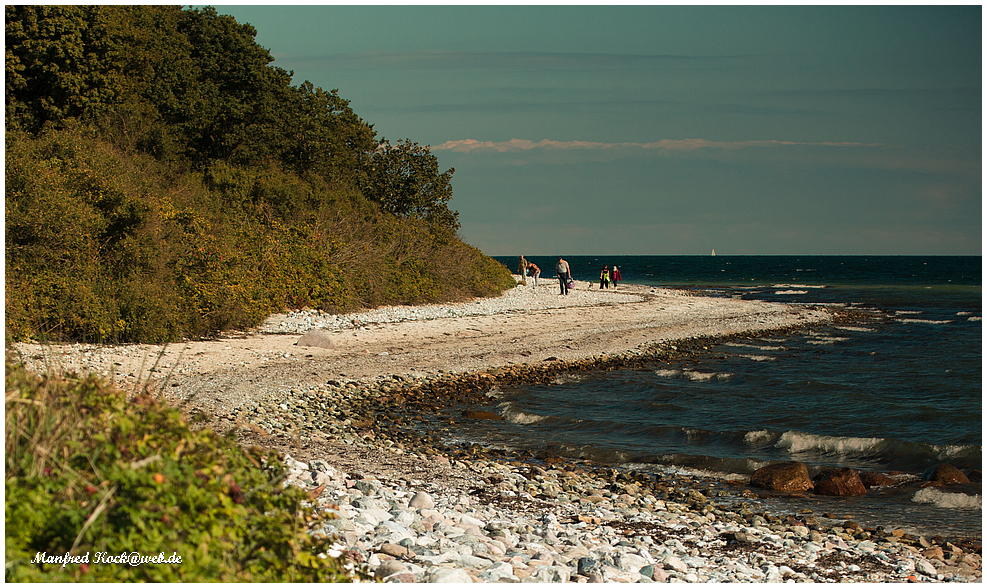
(173, 184)
(107, 246)
(90, 472)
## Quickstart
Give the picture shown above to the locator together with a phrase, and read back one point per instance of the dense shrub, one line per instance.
(163, 181)
(88, 471)
(109, 246)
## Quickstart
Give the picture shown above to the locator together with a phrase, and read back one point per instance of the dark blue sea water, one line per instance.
(896, 395)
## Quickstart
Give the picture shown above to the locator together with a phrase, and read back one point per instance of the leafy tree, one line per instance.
(232, 109)
(405, 180)
(322, 134)
(62, 62)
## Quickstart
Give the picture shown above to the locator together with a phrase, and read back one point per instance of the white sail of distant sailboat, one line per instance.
(714, 253)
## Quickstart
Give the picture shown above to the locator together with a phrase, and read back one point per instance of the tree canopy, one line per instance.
(194, 86)
(164, 179)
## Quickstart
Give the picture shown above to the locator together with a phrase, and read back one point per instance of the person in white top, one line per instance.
(562, 271)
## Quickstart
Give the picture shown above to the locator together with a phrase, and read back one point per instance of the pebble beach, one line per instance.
(346, 400)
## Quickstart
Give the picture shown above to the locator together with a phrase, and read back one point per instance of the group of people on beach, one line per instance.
(526, 268)
(608, 277)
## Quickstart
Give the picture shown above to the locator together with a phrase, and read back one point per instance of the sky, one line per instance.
(670, 130)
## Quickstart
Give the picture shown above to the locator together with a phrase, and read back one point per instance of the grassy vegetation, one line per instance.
(89, 472)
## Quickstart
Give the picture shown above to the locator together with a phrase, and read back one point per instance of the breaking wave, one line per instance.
(937, 497)
(796, 286)
(759, 357)
(692, 375)
(796, 442)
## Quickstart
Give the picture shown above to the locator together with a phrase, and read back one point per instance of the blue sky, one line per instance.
(670, 130)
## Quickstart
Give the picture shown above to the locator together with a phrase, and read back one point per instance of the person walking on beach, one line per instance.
(615, 277)
(562, 271)
(535, 272)
(522, 268)
(605, 278)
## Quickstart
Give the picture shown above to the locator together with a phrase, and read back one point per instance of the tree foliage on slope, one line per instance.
(189, 84)
(164, 180)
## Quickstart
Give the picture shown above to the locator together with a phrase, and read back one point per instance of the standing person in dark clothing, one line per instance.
(605, 278)
(562, 271)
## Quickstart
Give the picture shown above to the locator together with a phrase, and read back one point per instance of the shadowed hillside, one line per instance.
(163, 181)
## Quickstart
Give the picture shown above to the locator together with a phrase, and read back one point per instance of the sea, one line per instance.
(896, 395)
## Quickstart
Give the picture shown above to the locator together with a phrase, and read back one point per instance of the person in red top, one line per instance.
(615, 277)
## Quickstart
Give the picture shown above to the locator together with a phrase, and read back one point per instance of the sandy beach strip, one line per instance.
(337, 394)
(521, 326)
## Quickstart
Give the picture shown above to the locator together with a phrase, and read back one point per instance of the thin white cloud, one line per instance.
(468, 145)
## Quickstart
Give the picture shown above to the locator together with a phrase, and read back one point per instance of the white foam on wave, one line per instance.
(797, 442)
(827, 340)
(790, 292)
(694, 376)
(955, 451)
(856, 329)
(523, 418)
(677, 470)
(758, 357)
(758, 347)
(758, 437)
(796, 286)
(511, 414)
(704, 377)
(923, 322)
(936, 497)
(908, 312)
(568, 378)
(974, 318)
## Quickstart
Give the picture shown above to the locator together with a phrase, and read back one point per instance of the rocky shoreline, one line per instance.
(469, 515)
(359, 416)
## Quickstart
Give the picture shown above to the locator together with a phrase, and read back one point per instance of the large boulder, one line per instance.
(872, 479)
(945, 474)
(790, 476)
(841, 482)
(316, 339)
